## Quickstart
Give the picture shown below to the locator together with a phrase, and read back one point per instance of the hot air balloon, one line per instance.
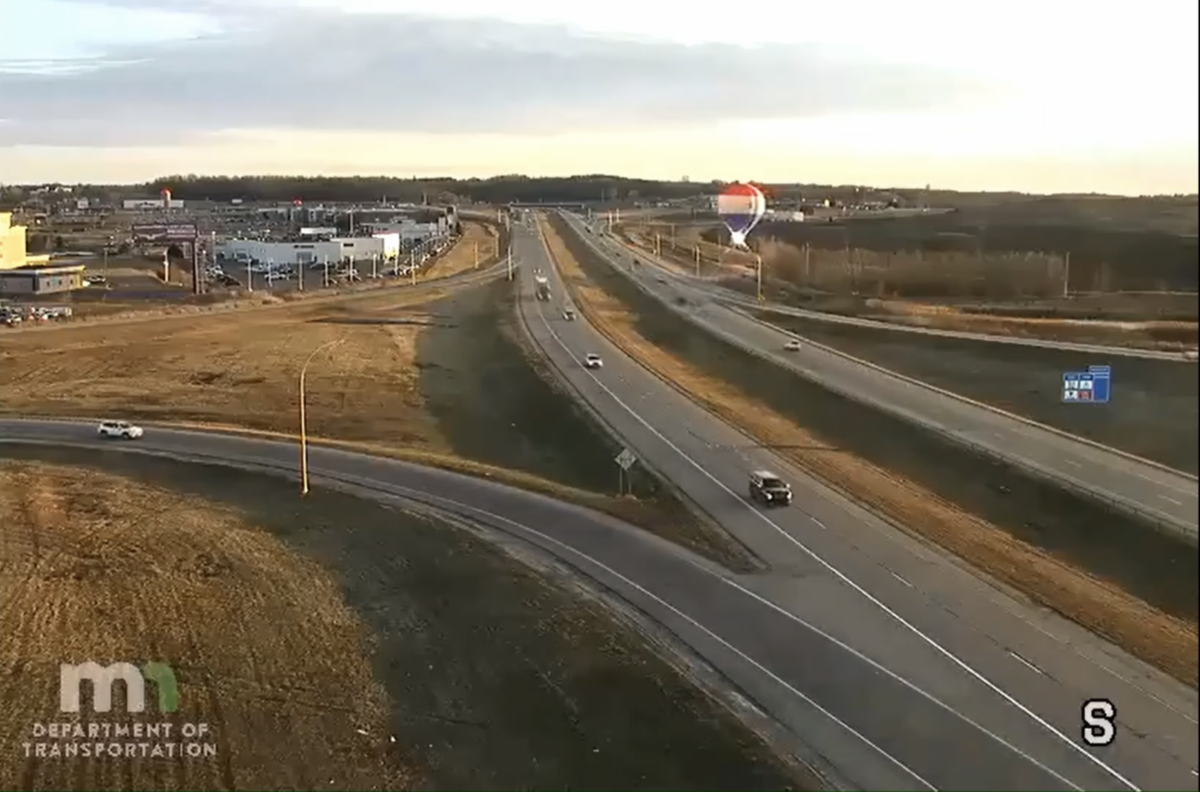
(740, 207)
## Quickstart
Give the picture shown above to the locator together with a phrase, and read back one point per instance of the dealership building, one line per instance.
(380, 247)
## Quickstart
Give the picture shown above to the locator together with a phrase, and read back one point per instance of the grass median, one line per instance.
(1114, 576)
(439, 378)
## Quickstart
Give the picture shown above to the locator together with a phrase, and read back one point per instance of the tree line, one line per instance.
(501, 189)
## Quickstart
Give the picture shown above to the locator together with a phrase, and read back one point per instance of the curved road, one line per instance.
(1167, 497)
(619, 246)
(873, 728)
(1013, 671)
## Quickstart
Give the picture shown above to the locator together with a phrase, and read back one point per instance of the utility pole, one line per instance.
(476, 255)
(696, 250)
(1066, 291)
(510, 264)
(249, 276)
(326, 281)
(374, 266)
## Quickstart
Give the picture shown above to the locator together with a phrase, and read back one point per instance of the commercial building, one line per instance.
(381, 247)
(21, 273)
(136, 204)
(28, 281)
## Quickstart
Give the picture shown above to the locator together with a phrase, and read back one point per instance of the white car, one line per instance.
(593, 361)
(121, 430)
(792, 346)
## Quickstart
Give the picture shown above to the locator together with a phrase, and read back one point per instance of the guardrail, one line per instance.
(1157, 520)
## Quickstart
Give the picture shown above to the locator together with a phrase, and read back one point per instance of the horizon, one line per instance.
(806, 95)
(597, 176)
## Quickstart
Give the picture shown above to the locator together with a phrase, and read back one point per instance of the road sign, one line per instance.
(1093, 386)
(625, 459)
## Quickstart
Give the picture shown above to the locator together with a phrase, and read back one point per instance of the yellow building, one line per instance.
(25, 275)
(12, 243)
(12, 246)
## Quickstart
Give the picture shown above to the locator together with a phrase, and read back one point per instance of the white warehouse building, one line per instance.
(380, 247)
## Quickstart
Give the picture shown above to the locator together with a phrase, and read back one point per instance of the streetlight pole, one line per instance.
(304, 418)
(510, 266)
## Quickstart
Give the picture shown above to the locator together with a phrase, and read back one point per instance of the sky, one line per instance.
(1029, 95)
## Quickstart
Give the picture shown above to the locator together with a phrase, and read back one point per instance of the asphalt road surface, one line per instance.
(1165, 496)
(619, 247)
(1009, 679)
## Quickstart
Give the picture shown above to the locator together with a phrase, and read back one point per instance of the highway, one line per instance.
(1006, 669)
(1167, 497)
(891, 666)
(621, 248)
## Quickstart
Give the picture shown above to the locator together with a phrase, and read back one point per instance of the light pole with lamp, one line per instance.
(303, 417)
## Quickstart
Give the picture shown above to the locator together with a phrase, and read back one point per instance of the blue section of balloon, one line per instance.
(740, 207)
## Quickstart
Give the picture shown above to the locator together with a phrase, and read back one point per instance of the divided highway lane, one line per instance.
(1166, 496)
(1011, 670)
(792, 671)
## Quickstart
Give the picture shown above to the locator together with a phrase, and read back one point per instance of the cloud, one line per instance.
(323, 70)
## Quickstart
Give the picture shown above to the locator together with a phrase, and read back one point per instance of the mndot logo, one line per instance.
(71, 679)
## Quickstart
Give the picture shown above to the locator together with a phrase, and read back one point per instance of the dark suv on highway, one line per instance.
(768, 489)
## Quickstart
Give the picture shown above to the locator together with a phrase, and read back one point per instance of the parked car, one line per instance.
(120, 430)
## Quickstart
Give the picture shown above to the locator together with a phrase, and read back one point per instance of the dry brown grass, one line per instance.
(375, 391)
(1167, 642)
(477, 247)
(284, 697)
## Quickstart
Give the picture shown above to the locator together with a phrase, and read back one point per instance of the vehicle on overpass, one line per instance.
(569, 314)
(542, 286)
(792, 346)
(119, 430)
(593, 361)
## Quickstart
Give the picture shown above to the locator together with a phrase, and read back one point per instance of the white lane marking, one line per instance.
(424, 497)
(963, 665)
(1026, 663)
(1170, 500)
(888, 672)
(902, 580)
(818, 523)
(1072, 462)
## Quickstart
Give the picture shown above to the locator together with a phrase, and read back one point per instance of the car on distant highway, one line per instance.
(593, 361)
(792, 346)
(769, 489)
(119, 430)
(569, 314)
